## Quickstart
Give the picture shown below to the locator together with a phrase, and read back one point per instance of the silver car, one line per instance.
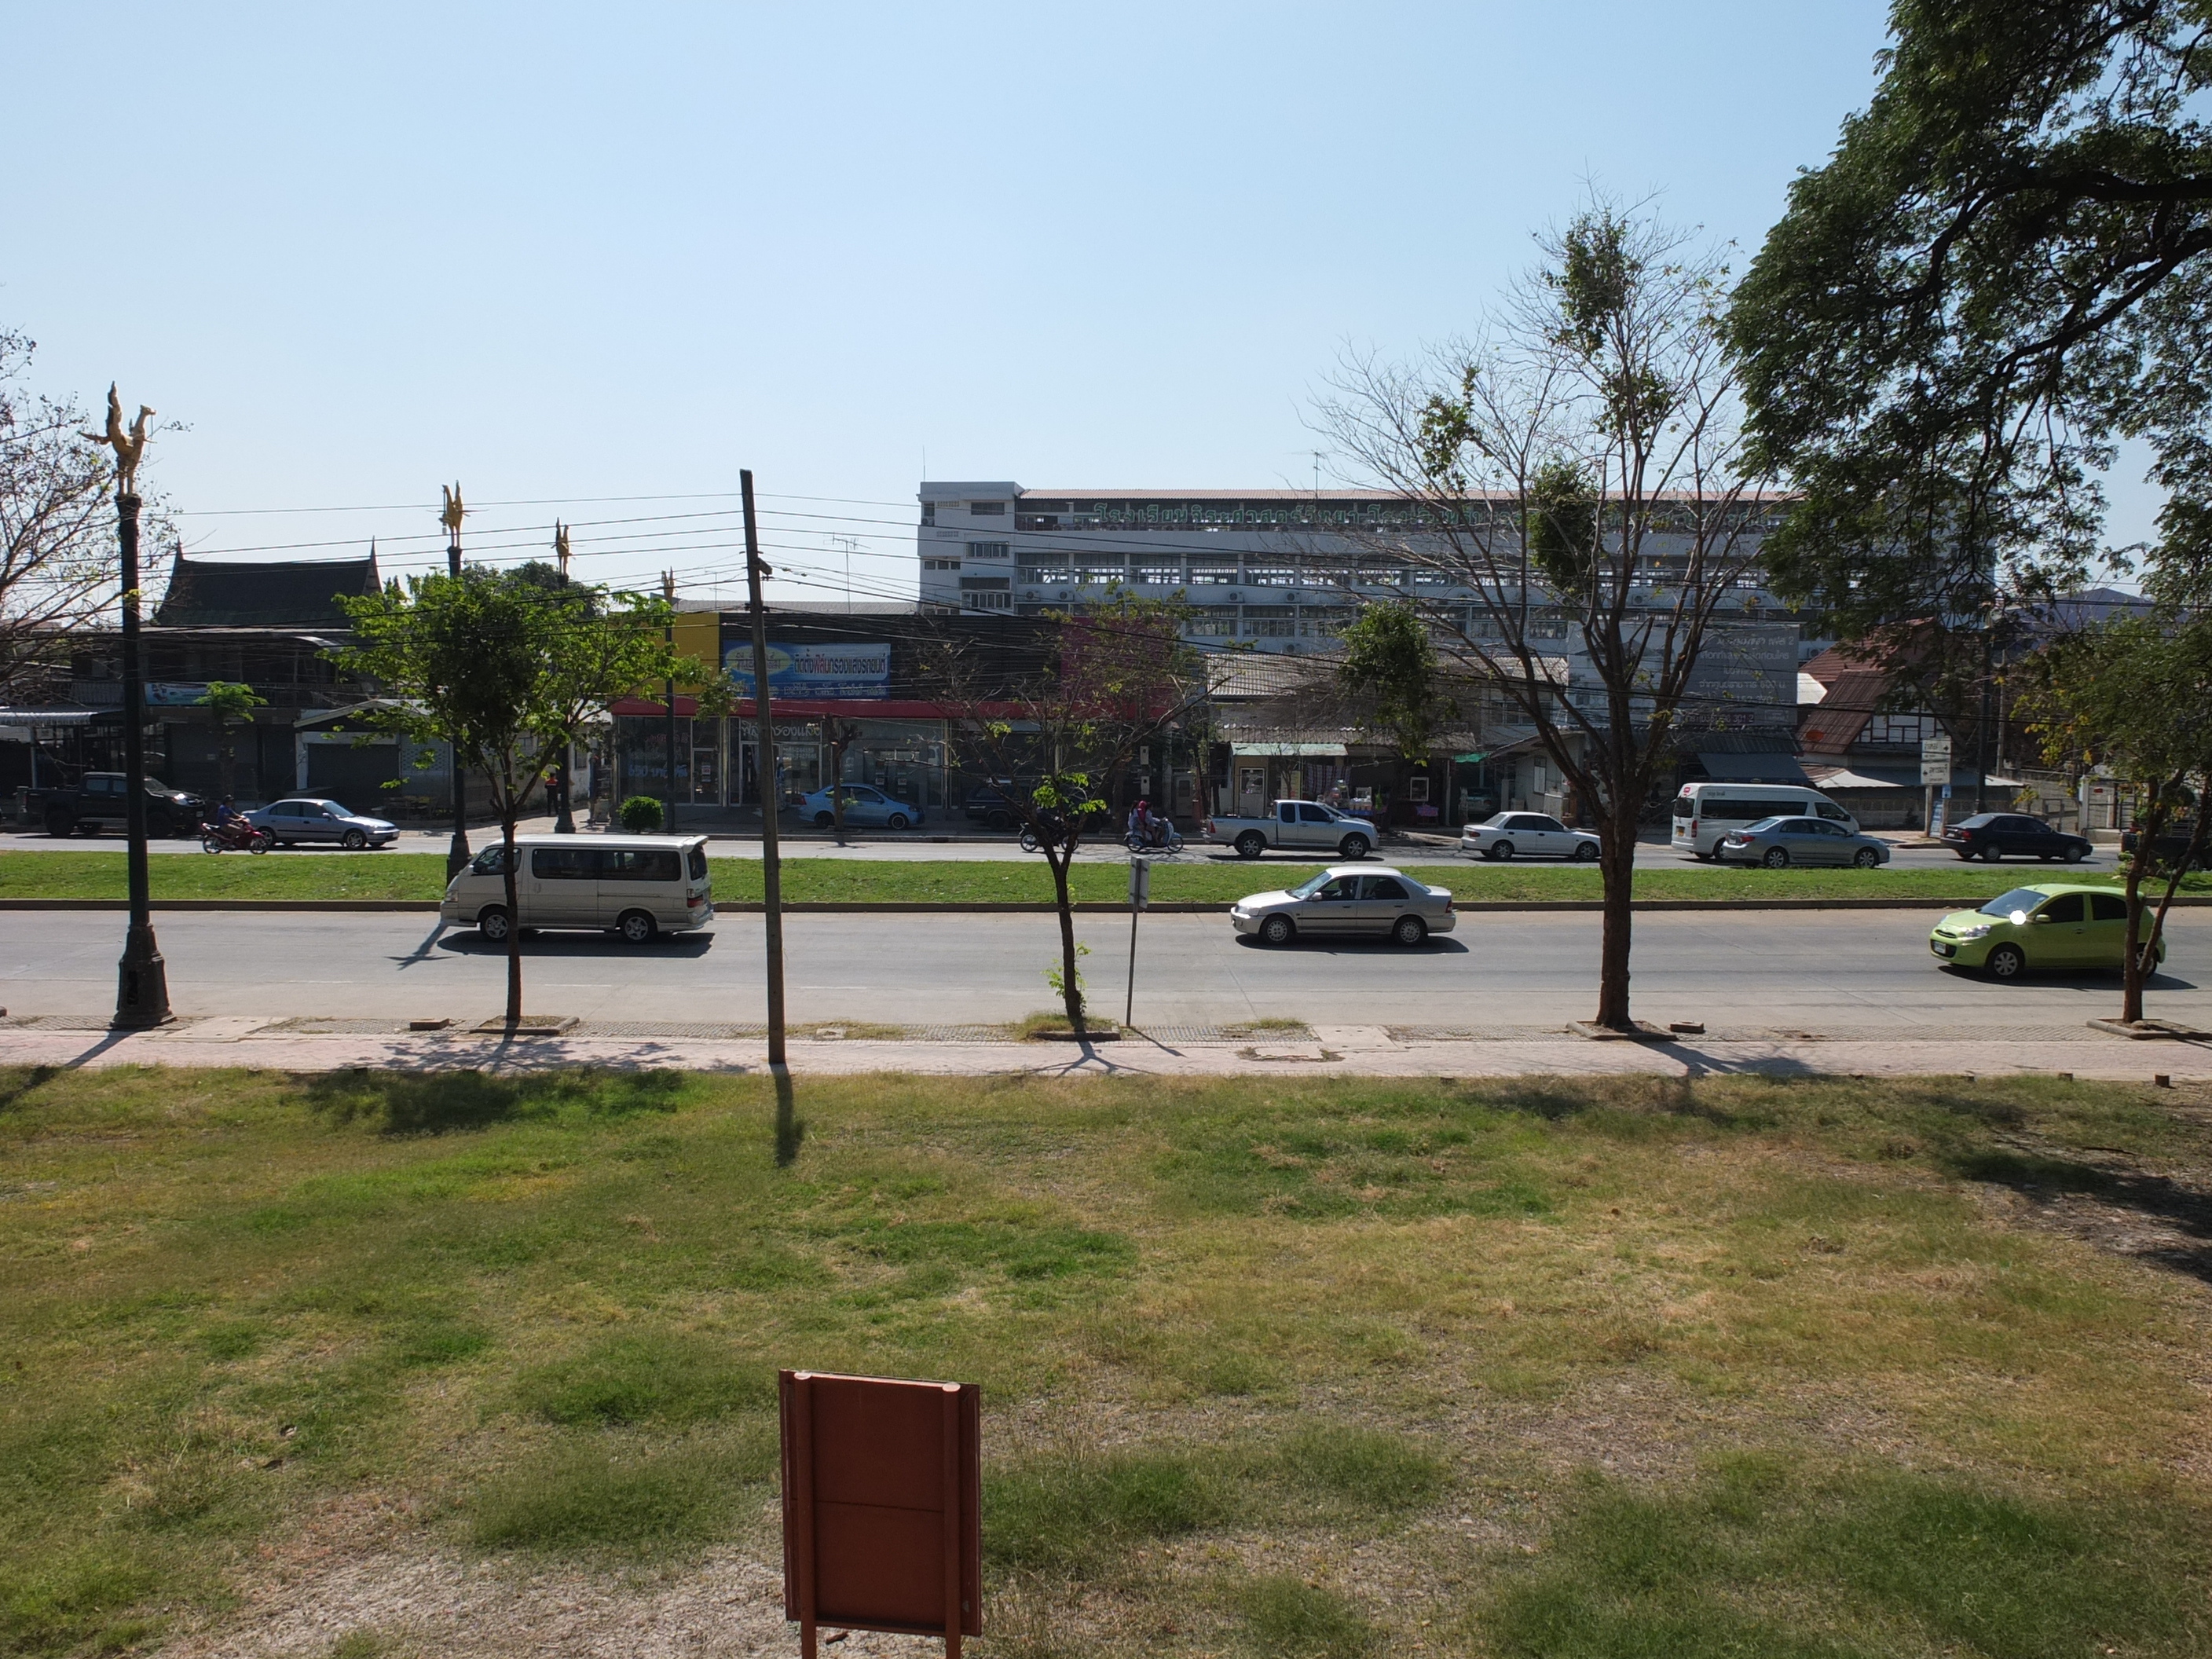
(1347, 900)
(1528, 835)
(306, 817)
(1780, 842)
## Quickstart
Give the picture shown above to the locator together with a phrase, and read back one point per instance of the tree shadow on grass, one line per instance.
(16, 1091)
(438, 1102)
(2048, 1182)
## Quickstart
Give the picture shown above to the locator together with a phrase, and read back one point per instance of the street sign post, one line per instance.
(882, 1501)
(1934, 769)
(1140, 897)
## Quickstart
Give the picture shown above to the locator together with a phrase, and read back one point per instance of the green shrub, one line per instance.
(640, 815)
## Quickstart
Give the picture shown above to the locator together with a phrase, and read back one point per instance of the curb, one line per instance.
(1173, 908)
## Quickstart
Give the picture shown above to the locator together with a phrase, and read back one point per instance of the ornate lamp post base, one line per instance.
(142, 982)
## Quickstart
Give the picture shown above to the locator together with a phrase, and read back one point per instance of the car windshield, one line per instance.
(1311, 885)
(1496, 820)
(2020, 898)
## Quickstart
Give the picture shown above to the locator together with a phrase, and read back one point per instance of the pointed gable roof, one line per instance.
(298, 593)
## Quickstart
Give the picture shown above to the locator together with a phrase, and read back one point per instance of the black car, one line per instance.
(992, 804)
(1995, 836)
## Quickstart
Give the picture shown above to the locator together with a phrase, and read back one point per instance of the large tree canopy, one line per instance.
(2002, 270)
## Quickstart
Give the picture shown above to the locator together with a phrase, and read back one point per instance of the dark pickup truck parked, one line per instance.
(2166, 849)
(101, 801)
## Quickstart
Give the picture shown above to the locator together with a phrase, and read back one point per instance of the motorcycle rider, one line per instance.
(1146, 825)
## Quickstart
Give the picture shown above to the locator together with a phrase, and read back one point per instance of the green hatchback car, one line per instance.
(2051, 924)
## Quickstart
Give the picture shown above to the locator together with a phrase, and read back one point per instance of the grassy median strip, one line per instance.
(1560, 1367)
(422, 875)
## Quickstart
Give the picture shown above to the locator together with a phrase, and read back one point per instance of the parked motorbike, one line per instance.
(239, 835)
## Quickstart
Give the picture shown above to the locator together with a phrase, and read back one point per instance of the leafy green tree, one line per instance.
(2005, 267)
(508, 667)
(1391, 664)
(1580, 471)
(2135, 697)
(233, 703)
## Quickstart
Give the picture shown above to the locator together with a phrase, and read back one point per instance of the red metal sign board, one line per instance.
(881, 1499)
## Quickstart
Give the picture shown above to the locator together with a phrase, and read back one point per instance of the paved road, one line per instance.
(1824, 971)
(1650, 855)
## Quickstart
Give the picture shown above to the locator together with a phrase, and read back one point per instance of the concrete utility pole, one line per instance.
(450, 514)
(764, 771)
(564, 817)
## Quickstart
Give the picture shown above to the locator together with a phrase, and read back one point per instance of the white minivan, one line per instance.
(1704, 812)
(634, 886)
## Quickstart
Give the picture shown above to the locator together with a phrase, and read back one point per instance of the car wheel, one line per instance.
(1502, 849)
(825, 820)
(1251, 844)
(1991, 856)
(1584, 852)
(636, 928)
(1278, 929)
(491, 922)
(1409, 930)
(58, 823)
(2006, 962)
(1865, 858)
(999, 821)
(897, 821)
(353, 841)
(2075, 855)
(1352, 847)
(1778, 858)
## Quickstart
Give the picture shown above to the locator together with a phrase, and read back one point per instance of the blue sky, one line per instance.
(566, 252)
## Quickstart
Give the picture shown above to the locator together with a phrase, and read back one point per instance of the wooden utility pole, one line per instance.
(668, 592)
(450, 513)
(764, 776)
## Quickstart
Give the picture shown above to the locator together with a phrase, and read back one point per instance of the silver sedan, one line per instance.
(1343, 901)
(302, 817)
(1779, 843)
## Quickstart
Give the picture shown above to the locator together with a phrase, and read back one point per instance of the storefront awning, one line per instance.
(54, 716)
(1753, 769)
(1288, 750)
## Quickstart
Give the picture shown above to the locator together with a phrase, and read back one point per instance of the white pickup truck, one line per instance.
(1298, 826)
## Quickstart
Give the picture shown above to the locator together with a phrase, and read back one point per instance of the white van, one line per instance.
(634, 886)
(1704, 812)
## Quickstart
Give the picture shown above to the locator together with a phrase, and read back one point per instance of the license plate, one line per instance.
(1943, 950)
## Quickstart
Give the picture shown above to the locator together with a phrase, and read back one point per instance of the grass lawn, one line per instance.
(1801, 1368)
(423, 875)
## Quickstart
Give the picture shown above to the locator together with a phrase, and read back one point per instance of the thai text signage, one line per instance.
(819, 671)
(882, 1499)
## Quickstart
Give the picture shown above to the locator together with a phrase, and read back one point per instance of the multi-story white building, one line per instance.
(1279, 569)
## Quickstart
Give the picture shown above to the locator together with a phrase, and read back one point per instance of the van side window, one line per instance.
(492, 862)
(640, 864)
(564, 863)
(699, 857)
(1826, 809)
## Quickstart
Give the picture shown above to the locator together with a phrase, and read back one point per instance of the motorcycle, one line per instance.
(236, 836)
(1053, 828)
(1167, 839)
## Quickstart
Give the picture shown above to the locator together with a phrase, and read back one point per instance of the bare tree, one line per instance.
(57, 555)
(1579, 470)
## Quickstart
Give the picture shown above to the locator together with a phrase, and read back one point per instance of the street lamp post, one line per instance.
(142, 989)
(450, 514)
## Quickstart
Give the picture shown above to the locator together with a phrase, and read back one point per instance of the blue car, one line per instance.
(864, 805)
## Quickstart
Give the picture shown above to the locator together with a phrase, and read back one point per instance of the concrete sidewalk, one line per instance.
(1341, 1050)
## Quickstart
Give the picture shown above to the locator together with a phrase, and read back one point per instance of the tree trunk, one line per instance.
(513, 928)
(1071, 990)
(229, 763)
(1617, 869)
